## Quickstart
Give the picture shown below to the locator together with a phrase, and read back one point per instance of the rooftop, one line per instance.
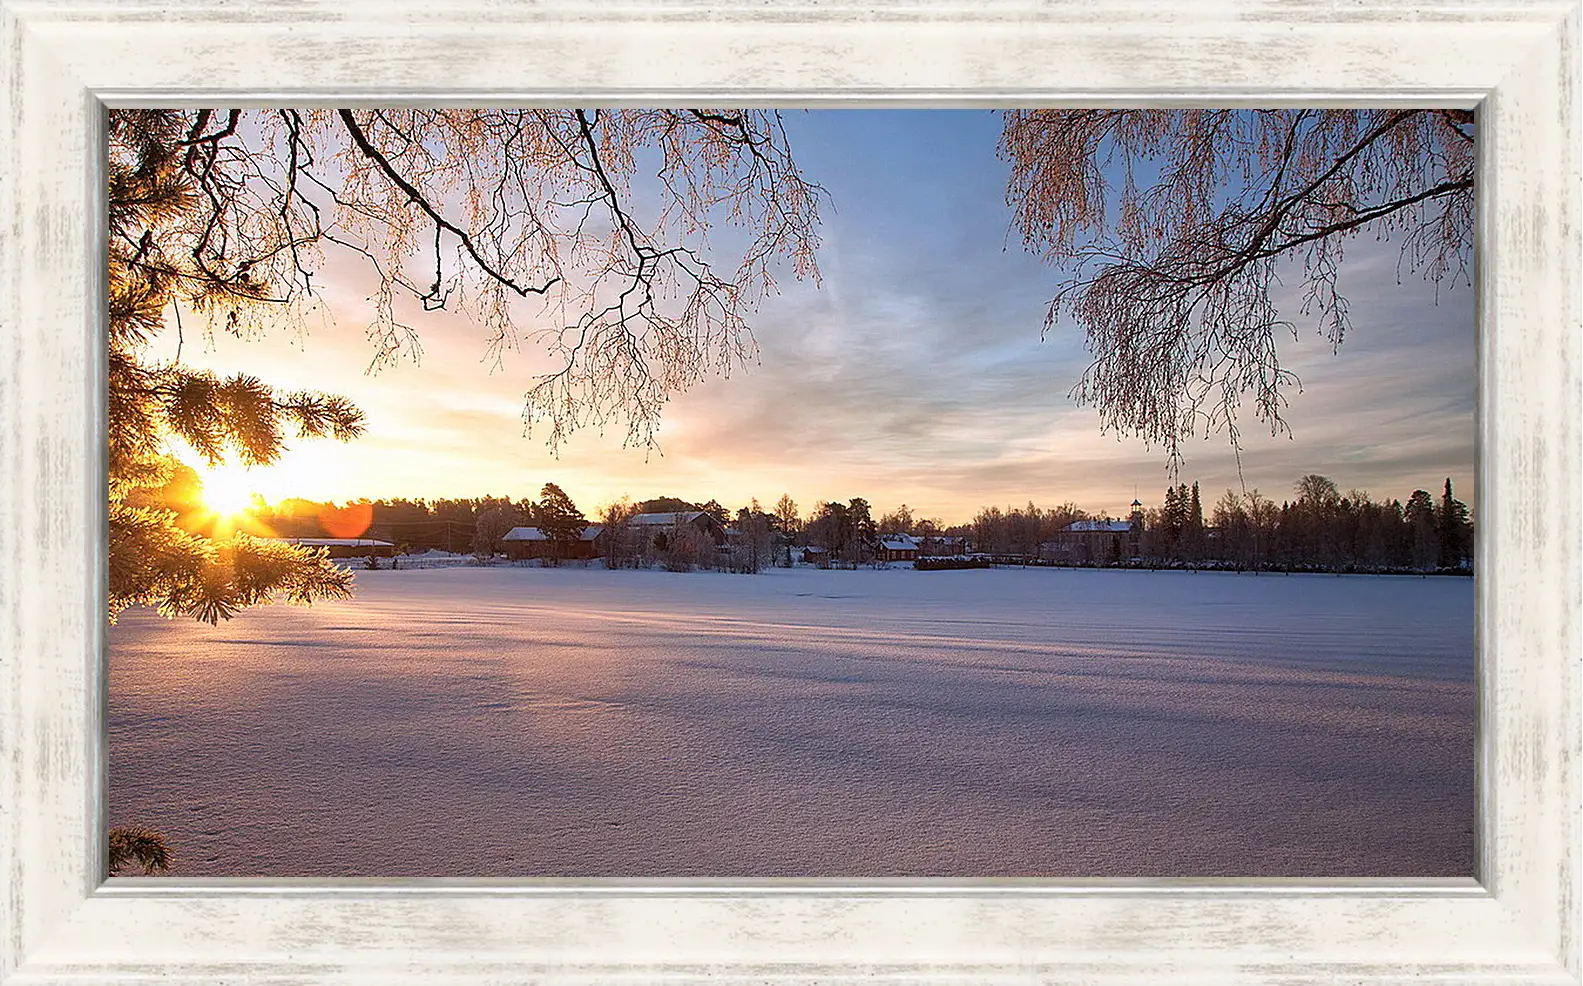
(1092, 526)
(661, 519)
(534, 534)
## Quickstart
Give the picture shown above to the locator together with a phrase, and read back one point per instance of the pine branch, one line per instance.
(134, 845)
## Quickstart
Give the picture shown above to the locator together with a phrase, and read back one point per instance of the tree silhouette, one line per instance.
(786, 514)
(560, 520)
(620, 547)
(862, 528)
(1455, 537)
(899, 521)
(715, 509)
(755, 544)
(831, 527)
(1420, 516)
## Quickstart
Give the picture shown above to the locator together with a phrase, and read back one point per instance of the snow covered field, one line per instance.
(579, 722)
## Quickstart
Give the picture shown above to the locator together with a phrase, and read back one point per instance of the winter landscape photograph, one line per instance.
(744, 492)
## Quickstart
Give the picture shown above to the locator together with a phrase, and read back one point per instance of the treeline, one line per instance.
(848, 532)
(1319, 529)
(471, 524)
(412, 525)
(1322, 530)
(1020, 531)
(751, 538)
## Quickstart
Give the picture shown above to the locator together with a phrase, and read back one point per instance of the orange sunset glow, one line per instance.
(231, 497)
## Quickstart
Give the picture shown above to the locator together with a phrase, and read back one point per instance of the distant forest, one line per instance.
(1318, 529)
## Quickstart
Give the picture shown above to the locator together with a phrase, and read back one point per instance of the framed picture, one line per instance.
(1513, 920)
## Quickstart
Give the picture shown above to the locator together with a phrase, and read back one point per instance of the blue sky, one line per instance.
(915, 374)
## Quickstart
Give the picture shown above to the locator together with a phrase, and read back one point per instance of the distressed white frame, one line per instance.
(63, 62)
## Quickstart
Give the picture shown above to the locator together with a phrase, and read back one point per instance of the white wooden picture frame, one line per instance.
(63, 63)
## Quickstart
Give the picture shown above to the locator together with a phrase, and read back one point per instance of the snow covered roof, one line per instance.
(525, 534)
(337, 542)
(1091, 526)
(534, 534)
(899, 542)
(665, 519)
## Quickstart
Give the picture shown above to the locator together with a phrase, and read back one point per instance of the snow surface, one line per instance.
(1008, 722)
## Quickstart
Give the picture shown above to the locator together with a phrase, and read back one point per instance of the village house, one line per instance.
(937, 545)
(1096, 542)
(813, 554)
(896, 547)
(658, 525)
(522, 543)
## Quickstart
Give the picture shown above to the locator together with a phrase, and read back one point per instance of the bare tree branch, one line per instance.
(1174, 296)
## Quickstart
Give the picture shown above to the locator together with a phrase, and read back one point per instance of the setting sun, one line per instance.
(227, 489)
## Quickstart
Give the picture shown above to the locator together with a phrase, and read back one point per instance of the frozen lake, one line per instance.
(579, 722)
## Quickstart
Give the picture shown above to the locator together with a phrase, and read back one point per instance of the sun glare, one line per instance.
(227, 490)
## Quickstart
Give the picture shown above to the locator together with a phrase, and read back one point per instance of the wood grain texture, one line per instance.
(61, 62)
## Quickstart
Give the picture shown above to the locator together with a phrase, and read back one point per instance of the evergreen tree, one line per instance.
(560, 520)
(864, 530)
(223, 212)
(1193, 527)
(152, 560)
(1424, 539)
(1173, 516)
(1452, 519)
(716, 510)
(666, 505)
(134, 845)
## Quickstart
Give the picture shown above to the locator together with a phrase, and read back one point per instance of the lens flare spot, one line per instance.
(350, 521)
